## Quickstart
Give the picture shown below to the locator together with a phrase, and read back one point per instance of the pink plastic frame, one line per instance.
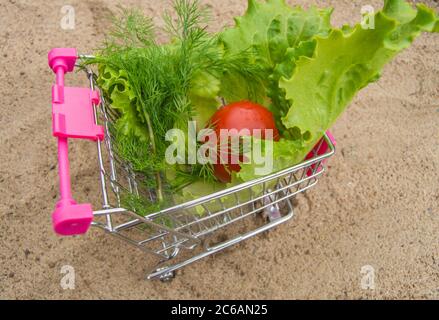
(72, 117)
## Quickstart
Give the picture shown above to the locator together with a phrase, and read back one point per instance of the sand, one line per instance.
(378, 205)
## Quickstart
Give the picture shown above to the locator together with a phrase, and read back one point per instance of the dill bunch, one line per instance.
(157, 87)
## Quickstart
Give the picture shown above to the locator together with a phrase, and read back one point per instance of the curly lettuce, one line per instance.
(322, 86)
(321, 74)
(123, 99)
(270, 28)
(275, 34)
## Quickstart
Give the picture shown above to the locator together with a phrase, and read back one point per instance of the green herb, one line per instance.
(157, 87)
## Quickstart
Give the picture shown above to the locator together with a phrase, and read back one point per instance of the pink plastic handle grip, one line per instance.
(68, 218)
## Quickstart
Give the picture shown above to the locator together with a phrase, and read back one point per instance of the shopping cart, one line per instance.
(178, 235)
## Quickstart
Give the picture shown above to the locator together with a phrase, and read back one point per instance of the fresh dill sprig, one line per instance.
(130, 29)
(138, 204)
(160, 76)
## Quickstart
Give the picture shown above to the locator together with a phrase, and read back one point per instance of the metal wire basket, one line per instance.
(190, 231)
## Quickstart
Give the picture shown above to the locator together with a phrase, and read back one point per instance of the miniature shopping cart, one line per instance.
(178, 235)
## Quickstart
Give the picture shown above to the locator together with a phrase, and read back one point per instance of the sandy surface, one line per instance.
(378, 205)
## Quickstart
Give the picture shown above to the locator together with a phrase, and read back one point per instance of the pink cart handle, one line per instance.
(72, 117)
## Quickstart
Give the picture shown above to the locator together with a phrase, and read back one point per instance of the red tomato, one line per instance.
(240, 115)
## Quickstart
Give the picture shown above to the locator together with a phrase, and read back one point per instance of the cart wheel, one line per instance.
(272, 212)
(166, 277)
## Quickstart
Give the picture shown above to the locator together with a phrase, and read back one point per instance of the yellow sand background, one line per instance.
(378, 205)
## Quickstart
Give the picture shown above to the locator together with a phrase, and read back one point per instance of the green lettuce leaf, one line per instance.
(270, 27)
(284, 154)
(327, 72)
(122, 98)
(204, 94)
(275, 33)
(343, 63)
